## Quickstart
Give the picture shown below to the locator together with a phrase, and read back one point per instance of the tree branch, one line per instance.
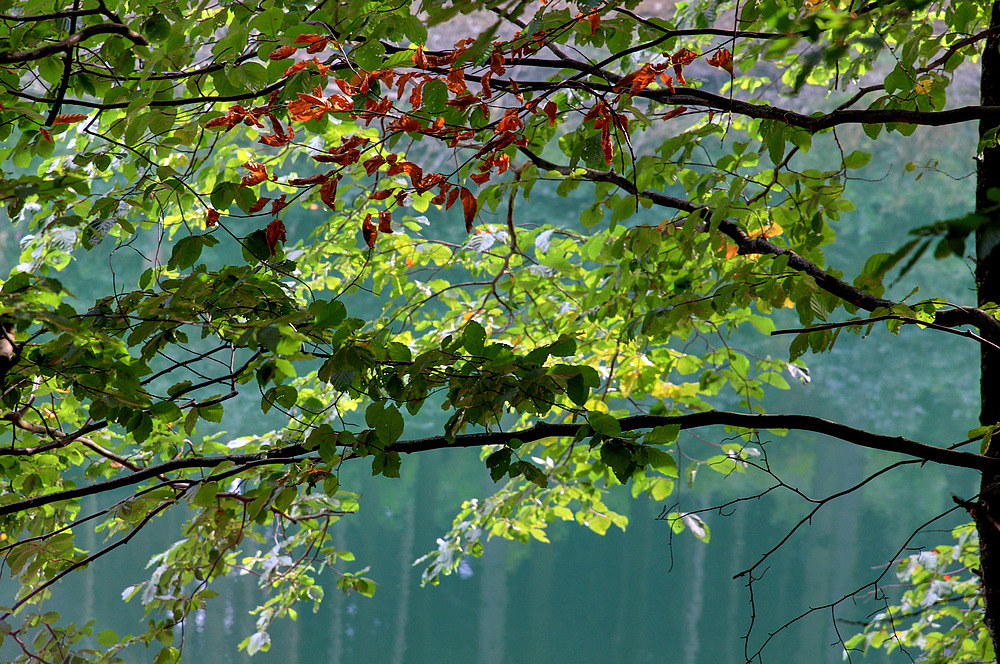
(761, 245)
(294, 453)
(71, 41)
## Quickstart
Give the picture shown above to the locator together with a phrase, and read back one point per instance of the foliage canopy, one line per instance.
(314, 208)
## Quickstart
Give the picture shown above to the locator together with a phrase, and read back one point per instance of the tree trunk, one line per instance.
(988, 288)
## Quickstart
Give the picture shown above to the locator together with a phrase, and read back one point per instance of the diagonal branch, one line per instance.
(761, 245)
(71, 41)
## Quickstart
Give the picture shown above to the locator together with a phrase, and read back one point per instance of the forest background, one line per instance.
(627, 302)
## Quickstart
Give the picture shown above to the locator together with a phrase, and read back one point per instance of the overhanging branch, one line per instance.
(294, 453)
(761, 245)
(71, 41)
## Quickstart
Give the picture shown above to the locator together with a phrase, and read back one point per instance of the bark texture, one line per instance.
(988, 288)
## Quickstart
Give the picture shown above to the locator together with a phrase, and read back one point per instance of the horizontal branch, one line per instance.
(294, 453)
(74, 39)
(747, 245)
(859, 437)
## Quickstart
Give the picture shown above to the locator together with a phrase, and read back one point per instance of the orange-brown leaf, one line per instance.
(480, 178)
(259, 205)
(369, 232)
(674, 112)
(277, 204)
(212, 218)
(380, 195)
(257, 174)
(550, 110)
(497, 61)
(668, 81)
(371, 165)
(722, 59)
(456, 81)
(274, 233)
(607, 145)
(419, 59)
(328, 192)
(511, 121)
(469, 206)
(384, 222)
(275, 140)
(637, 80)
(463, 101)
(68, 118)
(452, 197)
(309, 39)
(594, 18)
(317, 46)
(319, 178)
(282, 52)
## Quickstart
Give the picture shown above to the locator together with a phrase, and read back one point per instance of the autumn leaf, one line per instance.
(319, 178)
(456, 81)
(274, 233)
(259, 205)
(510, 121)
(480, 178)
(550, 110)
(69, 118)
(380, 195)
(369, 232)
(277, 204)
(212, 218)
(497, 61)
(372, 164)
(637, 80)
(594, 18)
(722, 59)
(469, 205)
(674, 112)
(328, 192)
(606, 144)
(257, 174)
(282, 53)
(385, 222)
(771, 230)
(45, 134)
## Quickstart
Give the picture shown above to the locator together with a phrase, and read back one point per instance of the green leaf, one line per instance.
(604, 423)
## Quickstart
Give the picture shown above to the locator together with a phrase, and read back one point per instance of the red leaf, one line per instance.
(277, 204)
(456, 81)
(369, 232)
(282, 52)
(469, 205)
(550, 110)
(45, 134)
(385, 222)
(480, 178)
(68, 118)
(674, 113)
(371, 165)
(213, 218)
(319, 178)
(723, 59)
(607, 145)
(594, 19)
(309, 39)
(257, 174)
(275, 231)
(497, 61)
(328, 192)
(380, 195)
(452, 197)
(510, 121)
(259, 205)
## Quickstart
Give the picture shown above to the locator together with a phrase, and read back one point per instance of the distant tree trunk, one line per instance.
(406, 559)
(988, 288)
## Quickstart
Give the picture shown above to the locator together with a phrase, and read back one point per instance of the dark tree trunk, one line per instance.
(988, 288)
